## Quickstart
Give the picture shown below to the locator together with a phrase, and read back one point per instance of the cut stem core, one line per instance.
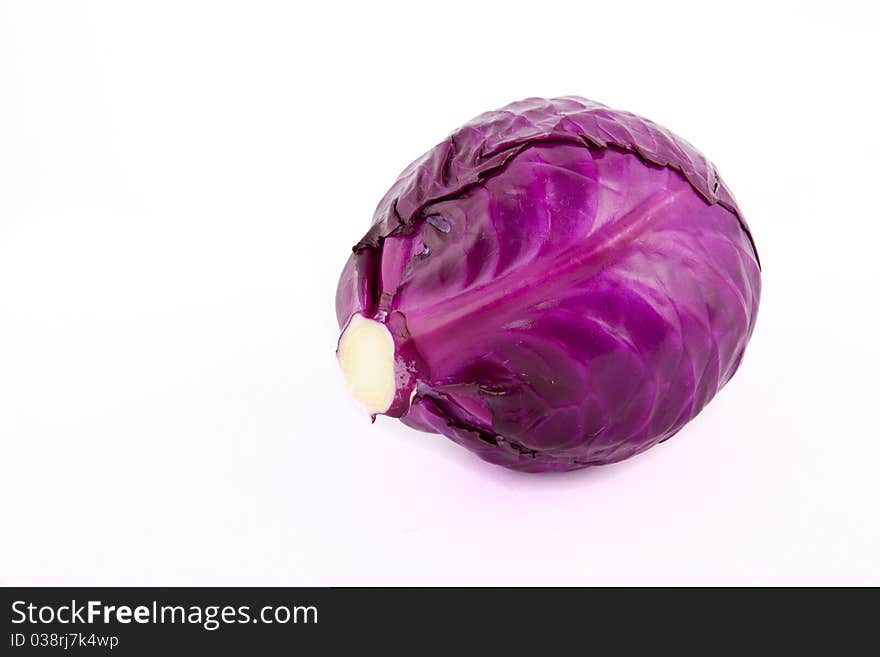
(366, 356)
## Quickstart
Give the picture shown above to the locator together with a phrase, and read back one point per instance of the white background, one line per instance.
(180, 184)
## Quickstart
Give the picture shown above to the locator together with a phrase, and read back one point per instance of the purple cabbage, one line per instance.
(565, 285)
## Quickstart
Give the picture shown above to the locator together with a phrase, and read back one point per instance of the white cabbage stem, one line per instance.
(366, 356)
